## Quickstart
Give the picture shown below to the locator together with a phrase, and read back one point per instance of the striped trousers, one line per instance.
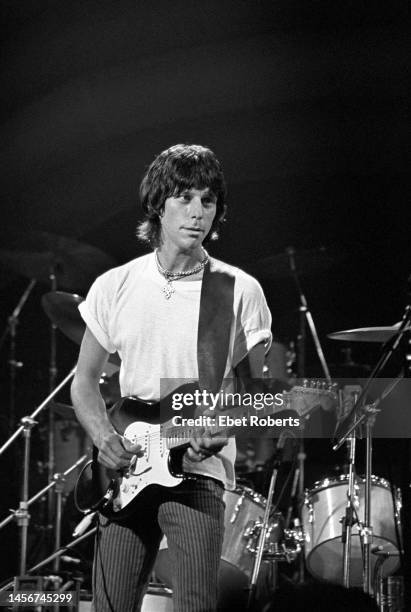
(191, 515)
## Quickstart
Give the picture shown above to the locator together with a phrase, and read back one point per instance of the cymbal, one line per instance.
(307, 261)
(62, 310)
(36, 255)
(367, 334)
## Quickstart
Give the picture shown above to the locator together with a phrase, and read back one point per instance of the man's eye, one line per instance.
(185, 197)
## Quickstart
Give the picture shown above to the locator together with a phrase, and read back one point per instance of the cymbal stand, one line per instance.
(59, 481)
(252, 589)
(52, 384)
(14, 365)
(363, 413)
(41, 493)
(27, 423)
(305, 318)
(22, 514)
(39, 408)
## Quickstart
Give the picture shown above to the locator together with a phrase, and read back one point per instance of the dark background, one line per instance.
(304, 103)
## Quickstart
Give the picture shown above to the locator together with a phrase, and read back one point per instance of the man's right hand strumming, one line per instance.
(116, 452)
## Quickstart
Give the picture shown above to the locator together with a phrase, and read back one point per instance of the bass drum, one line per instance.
(323, 509)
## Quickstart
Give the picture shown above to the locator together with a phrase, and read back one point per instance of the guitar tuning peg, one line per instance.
(305, 383)
(318, 384)
(313, 384)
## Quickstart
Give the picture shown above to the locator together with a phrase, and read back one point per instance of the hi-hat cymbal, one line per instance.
(62, 310)
(38, 254)
(367, 334)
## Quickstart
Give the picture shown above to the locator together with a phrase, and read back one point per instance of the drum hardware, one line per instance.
(389, 591)
(22, 516)
(281, 544)
(293, 497)
(363, 413)
(265, 524)
(391, 594)
(350, 517)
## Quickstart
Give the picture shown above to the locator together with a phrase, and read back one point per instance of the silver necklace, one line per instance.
(168, 288)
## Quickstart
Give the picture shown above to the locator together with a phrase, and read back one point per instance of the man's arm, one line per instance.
(90, 408)
(251, 367)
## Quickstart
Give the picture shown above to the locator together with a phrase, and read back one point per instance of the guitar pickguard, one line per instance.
(153, 467)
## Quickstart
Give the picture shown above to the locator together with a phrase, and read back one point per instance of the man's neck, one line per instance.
(175, 260)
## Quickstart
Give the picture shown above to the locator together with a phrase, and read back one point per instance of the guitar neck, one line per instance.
(179, 435)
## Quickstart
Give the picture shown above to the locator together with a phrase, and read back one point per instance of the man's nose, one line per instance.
(196, 207)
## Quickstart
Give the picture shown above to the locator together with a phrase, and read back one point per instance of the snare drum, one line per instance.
(322, 512)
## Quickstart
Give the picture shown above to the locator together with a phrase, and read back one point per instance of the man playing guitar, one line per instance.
(149, 311)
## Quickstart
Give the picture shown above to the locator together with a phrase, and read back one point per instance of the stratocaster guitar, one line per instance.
(163, 443)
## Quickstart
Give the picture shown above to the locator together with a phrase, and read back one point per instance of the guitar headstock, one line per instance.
(309, 396)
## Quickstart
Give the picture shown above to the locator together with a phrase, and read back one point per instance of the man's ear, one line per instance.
(222, 214)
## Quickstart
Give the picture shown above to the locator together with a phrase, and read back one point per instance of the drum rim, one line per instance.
(327, 482)
(251, 495)
(308, 554)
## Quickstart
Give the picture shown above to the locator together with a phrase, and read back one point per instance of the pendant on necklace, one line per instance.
(168, 290)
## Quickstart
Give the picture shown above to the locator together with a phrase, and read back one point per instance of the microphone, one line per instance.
(279, 450)
(84, 524)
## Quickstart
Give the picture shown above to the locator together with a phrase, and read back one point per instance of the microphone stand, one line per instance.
(348, 520)
(11, 330)
(305, 318)
(252, 589)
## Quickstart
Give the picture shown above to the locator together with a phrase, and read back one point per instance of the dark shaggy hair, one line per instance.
(178, 168)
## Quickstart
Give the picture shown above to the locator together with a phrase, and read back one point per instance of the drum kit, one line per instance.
(346, 529)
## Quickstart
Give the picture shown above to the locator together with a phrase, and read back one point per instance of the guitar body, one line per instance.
(141, 424)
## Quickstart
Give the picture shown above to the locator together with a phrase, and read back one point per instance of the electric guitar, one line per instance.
(163, 442)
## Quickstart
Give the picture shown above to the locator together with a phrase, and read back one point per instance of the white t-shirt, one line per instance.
(156, 338)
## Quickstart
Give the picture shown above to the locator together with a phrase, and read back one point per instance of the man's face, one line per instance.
(187, 218)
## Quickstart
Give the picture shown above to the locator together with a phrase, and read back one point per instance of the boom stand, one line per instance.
(305, 318)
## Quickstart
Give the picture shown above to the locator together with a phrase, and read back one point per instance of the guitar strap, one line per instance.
(214, 326)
